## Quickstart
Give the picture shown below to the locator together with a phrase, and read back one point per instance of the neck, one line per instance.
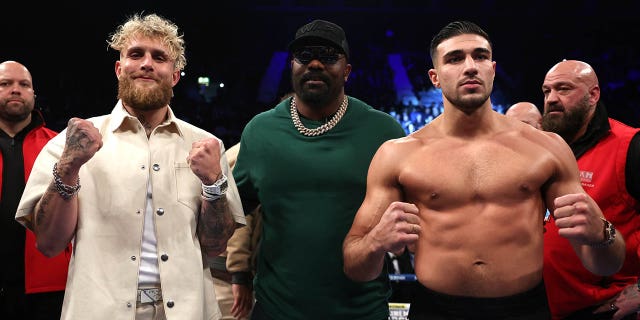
(579, 134)
(149, 119)
(584, 128)
(328, 125)
(460, 123)
(318, 113)
(12, 128)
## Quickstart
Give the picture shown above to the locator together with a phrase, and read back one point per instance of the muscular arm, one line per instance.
(55, 217)
(578, 217)
(215, 226)
(602, 261)
(382, 224)
(216, 221)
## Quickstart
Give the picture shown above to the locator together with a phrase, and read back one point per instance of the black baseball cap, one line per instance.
(321, 32)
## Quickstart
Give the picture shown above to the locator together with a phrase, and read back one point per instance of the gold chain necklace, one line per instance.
(321, 129)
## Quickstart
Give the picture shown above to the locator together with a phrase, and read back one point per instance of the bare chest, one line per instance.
(487, 172)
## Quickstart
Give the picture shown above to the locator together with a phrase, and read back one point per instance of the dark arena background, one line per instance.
(237, 64)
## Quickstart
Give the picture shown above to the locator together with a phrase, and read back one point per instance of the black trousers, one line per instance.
(430, 305)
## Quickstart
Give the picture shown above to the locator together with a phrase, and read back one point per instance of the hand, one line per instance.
(626, 302)
(204, 160)
(242, 300)
(398, 227)
(83, 141)
(577, 220)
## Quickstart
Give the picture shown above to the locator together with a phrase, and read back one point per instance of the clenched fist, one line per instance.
(83, 141)
(204, 160)
(398, 227)
(577, 219)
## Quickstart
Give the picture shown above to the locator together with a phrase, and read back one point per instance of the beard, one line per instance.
(144, 98)
(568, 124)
(317, 96)
(14, 115)
(468, 103)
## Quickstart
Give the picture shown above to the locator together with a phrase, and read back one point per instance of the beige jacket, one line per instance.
(103, 273)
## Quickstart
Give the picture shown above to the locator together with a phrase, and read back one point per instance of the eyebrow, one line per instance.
(460, 51)
(153, 51)
(558, 84)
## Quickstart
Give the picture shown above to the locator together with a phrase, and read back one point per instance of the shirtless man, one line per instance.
(468, 192)
(526, 112)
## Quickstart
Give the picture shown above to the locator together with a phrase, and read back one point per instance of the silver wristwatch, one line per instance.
(218, 188)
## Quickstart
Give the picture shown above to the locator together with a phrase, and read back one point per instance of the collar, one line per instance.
(120, 118)
(597, 129)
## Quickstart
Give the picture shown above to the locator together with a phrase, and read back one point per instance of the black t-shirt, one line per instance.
(12, 233)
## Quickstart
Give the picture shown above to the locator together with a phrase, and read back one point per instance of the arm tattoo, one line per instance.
(215, 226)
(42, 209)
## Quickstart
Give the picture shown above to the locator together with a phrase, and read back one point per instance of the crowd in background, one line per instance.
(234, 43)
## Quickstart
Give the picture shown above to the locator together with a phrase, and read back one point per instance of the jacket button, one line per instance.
(160, 211)
(170, 304)
(164, 257)
(156, 167)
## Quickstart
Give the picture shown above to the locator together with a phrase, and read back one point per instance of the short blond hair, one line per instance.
(155, 27)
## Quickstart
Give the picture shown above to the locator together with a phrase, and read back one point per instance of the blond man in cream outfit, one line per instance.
(157, 196)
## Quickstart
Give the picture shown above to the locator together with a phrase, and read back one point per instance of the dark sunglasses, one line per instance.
(326, 55)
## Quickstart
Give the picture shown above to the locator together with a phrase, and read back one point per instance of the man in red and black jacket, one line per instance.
(608, 155)
(32, 285)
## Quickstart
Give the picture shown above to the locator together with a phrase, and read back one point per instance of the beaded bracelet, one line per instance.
(66, 191)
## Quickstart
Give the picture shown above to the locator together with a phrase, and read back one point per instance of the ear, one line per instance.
(176, 77)
(118, 68)
(594, 95)
(433, 76)
(347, 72)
